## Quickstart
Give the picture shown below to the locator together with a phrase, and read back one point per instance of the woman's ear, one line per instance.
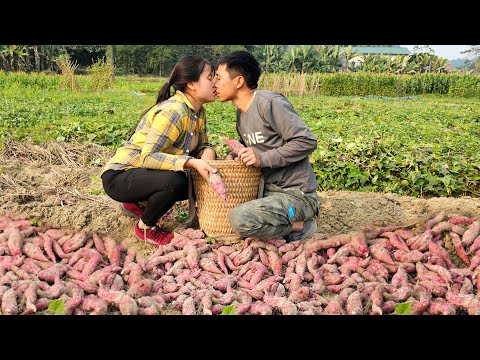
(191, 86)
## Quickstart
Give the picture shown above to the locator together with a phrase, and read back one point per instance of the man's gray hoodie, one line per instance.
(272, 127)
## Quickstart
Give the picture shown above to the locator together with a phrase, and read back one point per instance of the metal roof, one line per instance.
(387, 50)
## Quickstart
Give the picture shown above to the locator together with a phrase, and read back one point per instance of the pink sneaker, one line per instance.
(154, 236)
(134, 210)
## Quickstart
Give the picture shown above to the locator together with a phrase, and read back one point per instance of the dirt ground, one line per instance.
(59, 186)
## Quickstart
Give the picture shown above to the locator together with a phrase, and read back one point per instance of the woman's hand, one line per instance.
(201, 166)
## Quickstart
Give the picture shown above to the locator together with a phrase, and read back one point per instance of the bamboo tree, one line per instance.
(110, 56)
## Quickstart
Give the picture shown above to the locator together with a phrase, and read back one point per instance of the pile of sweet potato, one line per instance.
(371, 271)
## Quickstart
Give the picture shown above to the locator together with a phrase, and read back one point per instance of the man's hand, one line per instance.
(249, 157)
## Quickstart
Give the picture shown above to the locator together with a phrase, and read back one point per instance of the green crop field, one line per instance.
(425, 145)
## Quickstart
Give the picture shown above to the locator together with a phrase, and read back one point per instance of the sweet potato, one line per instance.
(48, 246)
(354, 303)
(75, 297)
(192, 256)
(140, 288)
(441, 271)
(433, 287)
(376, 297)
(475, 245)
(475, 261)
(221, 261)
(34, 251)
(209, 265)
(460, 220)
(75, 242)
(441, 227)
(113, 250)
(57, 289)
(50, 273)
(412, 256)
(316, 242)
(377, 268)
(31, 267)
(55, 233)
(396, 241)
(371, 234)
(260, 308)
(94, 305)
(15, 241)
(244, 256)
(299, 295)
(99, 244)
(127, 306)
(284, 305)
(404, 233)
(342, 251)
(441, 307)
(421, 243)
(217, 184)
(9, 303)
(234, 145)
(471, 233)
(434, 221)
(21, 273)
(64, 239)
(439, 251)
(379, 252)
(334, 306)
(30, 298)
(275, 262)
(457, 244)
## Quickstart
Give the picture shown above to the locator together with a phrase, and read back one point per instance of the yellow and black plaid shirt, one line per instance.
(163, 138)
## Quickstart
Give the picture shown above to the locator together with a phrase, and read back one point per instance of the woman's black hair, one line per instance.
(189, 68)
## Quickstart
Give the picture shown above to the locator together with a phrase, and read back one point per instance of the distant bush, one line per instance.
(363, 83)
(101, 75)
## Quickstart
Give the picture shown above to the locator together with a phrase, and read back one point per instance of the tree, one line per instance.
(473, 58)
(425, 49)
(110, 55)
(474, 50)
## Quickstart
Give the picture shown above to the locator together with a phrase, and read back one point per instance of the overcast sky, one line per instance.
(446, 51)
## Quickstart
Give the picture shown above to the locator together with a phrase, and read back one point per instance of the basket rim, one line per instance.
(232, 164)
(237, 163)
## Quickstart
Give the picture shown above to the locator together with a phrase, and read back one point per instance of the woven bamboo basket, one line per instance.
(241, 182)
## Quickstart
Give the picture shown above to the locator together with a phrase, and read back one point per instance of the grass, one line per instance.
(409, 145)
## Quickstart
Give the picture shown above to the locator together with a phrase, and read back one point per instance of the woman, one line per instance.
(147, 175)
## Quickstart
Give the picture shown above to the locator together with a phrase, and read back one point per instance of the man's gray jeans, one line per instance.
(272, 216)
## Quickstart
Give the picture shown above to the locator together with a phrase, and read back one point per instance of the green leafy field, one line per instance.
(424, 145)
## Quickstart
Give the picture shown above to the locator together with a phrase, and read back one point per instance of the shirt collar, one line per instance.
(184, 98)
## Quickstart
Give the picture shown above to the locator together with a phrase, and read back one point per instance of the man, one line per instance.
(278, 141)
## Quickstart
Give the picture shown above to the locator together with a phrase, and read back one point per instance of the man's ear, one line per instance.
(240, 81)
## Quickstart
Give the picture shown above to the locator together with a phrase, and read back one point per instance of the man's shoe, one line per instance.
(154, 236)
(309, 228)
(132, 209)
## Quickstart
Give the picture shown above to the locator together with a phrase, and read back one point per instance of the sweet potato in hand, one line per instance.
(234, 145)
(216, 182)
